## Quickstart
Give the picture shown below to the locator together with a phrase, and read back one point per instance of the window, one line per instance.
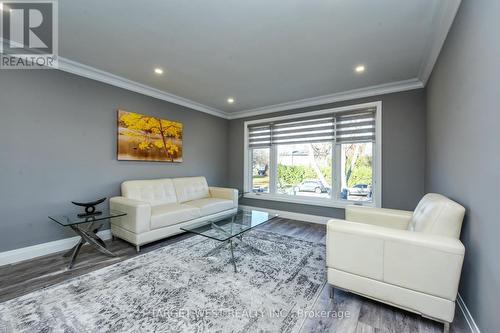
(260, 170)
(356, 171)
(328, 157)
(305, 169)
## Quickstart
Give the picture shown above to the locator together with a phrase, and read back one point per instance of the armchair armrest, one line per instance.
(138, 214)
(390, 218)
(224, 193)
(421, 262)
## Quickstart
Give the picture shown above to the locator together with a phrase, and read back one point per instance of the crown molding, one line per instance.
(79, 69)
(380, 89)
(442, 21)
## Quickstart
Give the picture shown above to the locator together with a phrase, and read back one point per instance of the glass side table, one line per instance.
(87, 229)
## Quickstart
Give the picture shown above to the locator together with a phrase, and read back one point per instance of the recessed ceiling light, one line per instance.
(360, 69)
(158, 71)
(230, 100)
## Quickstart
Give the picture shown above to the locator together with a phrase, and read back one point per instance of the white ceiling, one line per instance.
(261, 52)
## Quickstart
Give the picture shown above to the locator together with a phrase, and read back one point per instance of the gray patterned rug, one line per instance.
(177, 289)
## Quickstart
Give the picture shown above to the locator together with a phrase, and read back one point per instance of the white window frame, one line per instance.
(334, 201)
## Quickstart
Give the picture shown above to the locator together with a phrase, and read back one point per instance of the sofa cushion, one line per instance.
(209, 206)
(438, 215)
(170, 214)
(154, 192)
(190, 188)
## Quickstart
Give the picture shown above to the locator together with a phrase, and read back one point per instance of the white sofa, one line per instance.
(159, 208)
(410, 260)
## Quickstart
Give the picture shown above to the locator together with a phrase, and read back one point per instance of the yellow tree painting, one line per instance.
(146, 138)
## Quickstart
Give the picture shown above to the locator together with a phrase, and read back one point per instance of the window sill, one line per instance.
(307, 201)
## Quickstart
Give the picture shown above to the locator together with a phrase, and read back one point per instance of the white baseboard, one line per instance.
(291, 215)
(30, 252)
(468, 317)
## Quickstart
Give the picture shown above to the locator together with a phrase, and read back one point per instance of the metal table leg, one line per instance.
(252, 248)
(238, 238)
(232, 256)
(82, 241)
(76, 250)
(93, 240)
(215, 249)
(87, 236)
(73, 249)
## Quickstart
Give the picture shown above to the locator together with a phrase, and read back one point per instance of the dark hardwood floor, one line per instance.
(364, 315)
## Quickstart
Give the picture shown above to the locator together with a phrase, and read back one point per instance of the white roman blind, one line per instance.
(342, 127)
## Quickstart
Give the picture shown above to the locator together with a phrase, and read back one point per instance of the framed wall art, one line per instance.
(148, 138)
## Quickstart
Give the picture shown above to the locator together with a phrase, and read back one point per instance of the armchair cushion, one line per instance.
(349, 250)
(436, 214)
(170, 214)
(391, 218)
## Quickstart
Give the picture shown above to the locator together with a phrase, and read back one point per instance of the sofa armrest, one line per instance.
(390, 218)
(138, 215)
(225, 193)
(430, 264)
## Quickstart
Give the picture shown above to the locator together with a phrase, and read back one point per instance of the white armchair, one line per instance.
(410, 260)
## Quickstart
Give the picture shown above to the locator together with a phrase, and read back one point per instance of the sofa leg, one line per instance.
(446, 328)
(138, 248)
(331, 292)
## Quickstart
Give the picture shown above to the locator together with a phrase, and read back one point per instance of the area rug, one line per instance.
(179, 289)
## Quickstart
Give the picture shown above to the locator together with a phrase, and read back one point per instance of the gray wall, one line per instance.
(463, 147)
(403, 153)
(58, 143)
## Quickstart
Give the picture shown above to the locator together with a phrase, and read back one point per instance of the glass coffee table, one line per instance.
(230, 230)
(85, 227)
